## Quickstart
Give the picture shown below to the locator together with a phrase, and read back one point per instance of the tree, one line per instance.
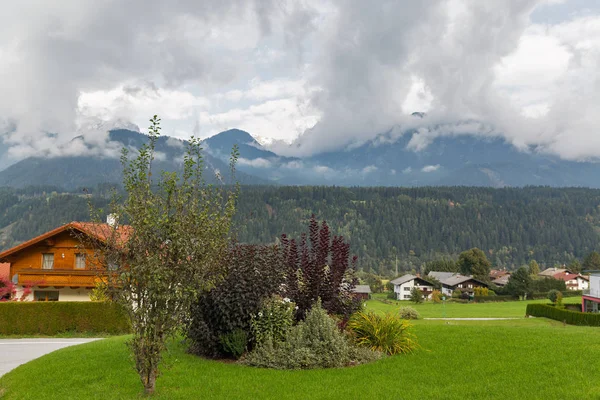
(534, 268)
(442, 265)
(319, 267)
(171, 251)
(519, 283)
(574, 266)
(555, 296)
(592, 261)
(474, 262)
(416, 295)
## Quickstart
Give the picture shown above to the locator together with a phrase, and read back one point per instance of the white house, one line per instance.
(573, 281)
(404, 285)
(590, 301)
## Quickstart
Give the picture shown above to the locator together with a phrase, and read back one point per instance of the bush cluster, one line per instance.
(567, 316)
(51, 318)
(273, 320)
(494, 298)
(409, 313)
(315, 342)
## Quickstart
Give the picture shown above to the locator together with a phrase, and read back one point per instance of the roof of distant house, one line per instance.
(452, 278)
(99, 231)
(497, 273)
(568, 277)
(362, 289)
(552, 271)
(440, 276)
(407, 278)
(501, 281)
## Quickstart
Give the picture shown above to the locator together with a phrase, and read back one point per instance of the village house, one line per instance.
(452, 281)
(498, 273)
(362, 292)
(550, 272)
(404, 285)
(590, 301)
(501, 281)
(55, 266)
(573, 281)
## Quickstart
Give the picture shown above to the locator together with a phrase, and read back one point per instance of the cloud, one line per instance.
(256, 163)
(368, 169)
(430, 168)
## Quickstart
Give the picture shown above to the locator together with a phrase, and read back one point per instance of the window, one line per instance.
(47, 260)
(45, 295)
(406, 296)
(406, 288)
(80, 261)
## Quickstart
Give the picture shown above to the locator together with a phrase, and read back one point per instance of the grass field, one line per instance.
(509, 359)
(509, 309)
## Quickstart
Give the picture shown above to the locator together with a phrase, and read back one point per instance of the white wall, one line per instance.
(595, 285)
(64, 294)
(403, 291)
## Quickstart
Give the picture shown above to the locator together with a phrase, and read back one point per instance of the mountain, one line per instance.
(390, 159)
(101, 163)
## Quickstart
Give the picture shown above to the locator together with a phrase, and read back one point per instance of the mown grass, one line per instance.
(508, 359)
(509, 309)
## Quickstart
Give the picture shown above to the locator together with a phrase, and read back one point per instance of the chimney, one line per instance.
(112, 220)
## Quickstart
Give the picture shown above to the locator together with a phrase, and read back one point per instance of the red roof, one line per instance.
(568, 277)
(99, 231)
(5, 271)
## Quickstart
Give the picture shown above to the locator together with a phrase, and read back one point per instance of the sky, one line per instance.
(304, 76)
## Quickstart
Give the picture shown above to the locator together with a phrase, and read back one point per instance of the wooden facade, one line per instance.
(57, 262)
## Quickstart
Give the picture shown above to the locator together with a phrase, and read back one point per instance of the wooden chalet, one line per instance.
(56, 266)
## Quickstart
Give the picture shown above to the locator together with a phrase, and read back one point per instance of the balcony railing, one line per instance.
(592, 293)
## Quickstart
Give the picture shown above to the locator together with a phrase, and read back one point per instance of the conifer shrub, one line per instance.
(387, 333)
(315, 342)
(409, 313)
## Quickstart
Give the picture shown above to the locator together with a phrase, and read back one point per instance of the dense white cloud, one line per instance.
(324, 74)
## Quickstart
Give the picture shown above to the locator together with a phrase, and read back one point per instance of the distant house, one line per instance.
(362, 292)
(498, 273)
(452, 281)
(55, 265)
(404, 285)
(590, 301)
(550, 272)
(501, 281)
(573, 281)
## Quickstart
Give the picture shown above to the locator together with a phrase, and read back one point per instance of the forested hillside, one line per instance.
(415, 225)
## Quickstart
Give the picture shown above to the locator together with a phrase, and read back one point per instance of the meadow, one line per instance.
(527, 358)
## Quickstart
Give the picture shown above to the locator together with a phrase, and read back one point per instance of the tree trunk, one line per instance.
(149, 381)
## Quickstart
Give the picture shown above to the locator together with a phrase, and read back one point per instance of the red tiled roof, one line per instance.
(567, 277)
(99, 231)
(5, 271)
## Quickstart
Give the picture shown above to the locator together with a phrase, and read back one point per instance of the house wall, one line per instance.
(64, 294)
(594, 286)
(403, 291)
(73, 284)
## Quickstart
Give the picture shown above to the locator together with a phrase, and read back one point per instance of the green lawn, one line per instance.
(509, 309)
(510, 359)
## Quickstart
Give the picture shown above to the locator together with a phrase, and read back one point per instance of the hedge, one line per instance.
(51, 318)
(567, 316)
(498, 298)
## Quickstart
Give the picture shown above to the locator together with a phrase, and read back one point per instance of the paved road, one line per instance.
(14, 352)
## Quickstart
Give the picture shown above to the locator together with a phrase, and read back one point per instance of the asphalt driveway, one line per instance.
(14, 352)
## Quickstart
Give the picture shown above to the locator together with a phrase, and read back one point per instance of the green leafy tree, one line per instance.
(416, 295)
(474, 262)
(592, 261)
(171, 251)
(534, 268)
(442, 265)
(574, 266)
(519, 283)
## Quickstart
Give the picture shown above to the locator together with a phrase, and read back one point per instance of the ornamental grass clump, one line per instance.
(388, 334)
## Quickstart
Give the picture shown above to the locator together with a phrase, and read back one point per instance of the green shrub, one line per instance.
(456, 294)
(315, 342)
(387, 334)
(51, 318)
(567, 316)
(409, 313)
(493, 298)
(253, 274)
(436, 296)
(555, 297)
(234, 343)
(273, 320)
(416, 295)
